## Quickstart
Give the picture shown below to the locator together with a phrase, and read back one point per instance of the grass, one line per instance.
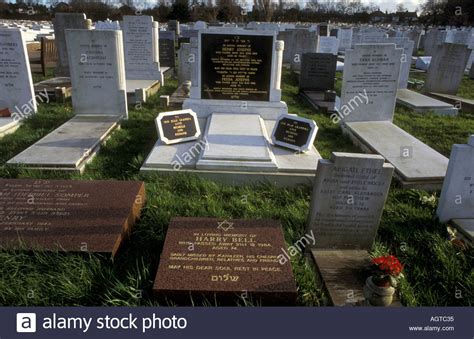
(437, 272)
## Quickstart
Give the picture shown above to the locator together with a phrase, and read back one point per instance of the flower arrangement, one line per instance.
(387, 270)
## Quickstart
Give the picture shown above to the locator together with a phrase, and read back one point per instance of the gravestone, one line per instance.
(301, 41)
(236, 94)
(167, 49)
(173, 25)
(328, 45)
(456, 202)
(323, 29)
(318, 72)
(62, 22)
(345, 38)
(294, 133)
(68, 215)
(17, 98)
(346, 207)
(228, 259)
(447, 68)
(98, 98)
(471, 72)
(185, 60)
(370, 82)
(348, 199)
(178, 126)
(369, 92)
(141, 45)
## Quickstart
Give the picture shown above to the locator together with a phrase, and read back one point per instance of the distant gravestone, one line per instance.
(345, 38)
(68, 215)
(62, 22)
(370, 82)
(301, 41)
(318, 72)
(348, 200)
(173, 25)
(227, 257)
(323, 29)
(447, 68)
(185, 62)
(294, 132)
(17, 98)
(167, 49)
(328, 44)
(457, 196)
(178, 126)
(140, 41)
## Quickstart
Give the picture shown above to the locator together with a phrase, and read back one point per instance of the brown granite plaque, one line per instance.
(206, 257)
(5, 113)
(68, 215)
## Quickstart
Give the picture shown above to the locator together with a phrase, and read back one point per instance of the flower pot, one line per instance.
(187, 87)
(376, 295)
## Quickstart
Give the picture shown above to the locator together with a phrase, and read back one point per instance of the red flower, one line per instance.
(388, 265)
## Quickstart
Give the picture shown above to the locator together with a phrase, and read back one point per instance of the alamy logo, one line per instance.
(26, 322)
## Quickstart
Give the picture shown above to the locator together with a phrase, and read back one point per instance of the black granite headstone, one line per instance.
(236, 67)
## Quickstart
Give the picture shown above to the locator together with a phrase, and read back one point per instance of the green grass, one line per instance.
(436, 271)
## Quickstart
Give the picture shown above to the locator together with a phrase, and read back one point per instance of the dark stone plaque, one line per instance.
(294, 132)
(68, 215)
(236, 67)
(178, 126)
(167, 49)
(206, 257)
(318, 71)
(5, 113)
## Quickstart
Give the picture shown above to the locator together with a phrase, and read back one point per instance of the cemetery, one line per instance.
(168, 163)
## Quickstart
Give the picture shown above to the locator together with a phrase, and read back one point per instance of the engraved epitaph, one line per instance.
(178, 126)
(236, 67)
(68, 215)
(294, 132)
(207, 257)
(348, 199)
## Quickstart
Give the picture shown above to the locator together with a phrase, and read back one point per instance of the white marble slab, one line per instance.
(422, 103)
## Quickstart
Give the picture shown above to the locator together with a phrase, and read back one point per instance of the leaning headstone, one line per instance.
(347, 202)
(62, 22)
(167, 49)
(17, 98)
(68, 215)
(140, 40)
(447, 68)
(228, 257)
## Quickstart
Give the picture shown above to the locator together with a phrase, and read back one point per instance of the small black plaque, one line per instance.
(294, 132)
(178, 126)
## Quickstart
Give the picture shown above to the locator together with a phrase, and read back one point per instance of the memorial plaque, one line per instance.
(206, 257)
(68, 215)
(348, 199)
(236, 67)
(294, 132)
(318, 72)
(178, 126)
(4, 113)
(167, 49)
